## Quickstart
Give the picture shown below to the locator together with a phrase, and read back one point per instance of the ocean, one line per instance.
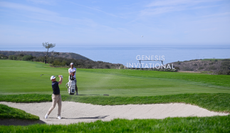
(127, 54)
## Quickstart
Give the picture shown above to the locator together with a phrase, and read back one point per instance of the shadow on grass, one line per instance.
(93, 95)
(19, 122)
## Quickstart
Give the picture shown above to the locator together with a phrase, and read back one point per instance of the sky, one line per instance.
(114, 22)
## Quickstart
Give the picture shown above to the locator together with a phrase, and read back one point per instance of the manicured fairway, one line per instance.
(24, 77)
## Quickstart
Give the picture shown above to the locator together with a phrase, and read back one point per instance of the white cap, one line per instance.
(71, 63)
(52, 77)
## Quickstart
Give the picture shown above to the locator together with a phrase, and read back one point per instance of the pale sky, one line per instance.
(114, 22)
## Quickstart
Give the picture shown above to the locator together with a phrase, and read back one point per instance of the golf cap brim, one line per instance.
(52, 77)
(71, 63)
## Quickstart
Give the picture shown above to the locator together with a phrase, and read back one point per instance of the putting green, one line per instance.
(25, 77)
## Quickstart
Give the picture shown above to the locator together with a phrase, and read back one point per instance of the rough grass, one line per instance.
(210, 101)
(189, 124)
(7, 112)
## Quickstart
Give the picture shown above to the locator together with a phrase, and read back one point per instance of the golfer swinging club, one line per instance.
(72, 73)
(56, 96)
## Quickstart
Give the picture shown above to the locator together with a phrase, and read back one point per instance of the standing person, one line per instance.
(72, 73)
(56, 96)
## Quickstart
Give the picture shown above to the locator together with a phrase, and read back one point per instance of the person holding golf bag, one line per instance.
(72, 75)
(56, 96)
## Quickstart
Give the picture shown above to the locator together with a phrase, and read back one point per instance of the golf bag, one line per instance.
(71, 85)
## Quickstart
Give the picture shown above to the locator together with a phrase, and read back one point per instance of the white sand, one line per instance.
(73, 112)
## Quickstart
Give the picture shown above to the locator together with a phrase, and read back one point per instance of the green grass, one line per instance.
(20, 81)
(201, 79)
(189, 124)
(21, 77)
(26, 98)
(214, 102)
(7, 112)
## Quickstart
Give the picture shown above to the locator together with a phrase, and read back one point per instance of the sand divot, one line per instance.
(73, 112)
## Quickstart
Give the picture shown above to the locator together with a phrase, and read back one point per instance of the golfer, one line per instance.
(56, 96)
(72, 73)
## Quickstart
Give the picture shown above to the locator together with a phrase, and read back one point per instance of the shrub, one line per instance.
(56, 63)
(13, 57)
(107, 66)
(122, 67)
(3, 56)
(228, 73)
(187, 69)
(212, 68)
(27, 57)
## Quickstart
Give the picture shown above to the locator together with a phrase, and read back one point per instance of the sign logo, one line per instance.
(143, 59)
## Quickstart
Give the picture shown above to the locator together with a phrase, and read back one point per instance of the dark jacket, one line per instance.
(55, 87)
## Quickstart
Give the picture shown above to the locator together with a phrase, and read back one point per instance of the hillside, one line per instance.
(211, 66)
(57, 59)
(38, 54)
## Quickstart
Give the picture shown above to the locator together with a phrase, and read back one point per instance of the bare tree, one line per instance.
(47, 46)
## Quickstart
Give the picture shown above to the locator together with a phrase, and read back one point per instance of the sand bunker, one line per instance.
(73, 112)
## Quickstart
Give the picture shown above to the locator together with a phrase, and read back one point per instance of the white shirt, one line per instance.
(70, 70)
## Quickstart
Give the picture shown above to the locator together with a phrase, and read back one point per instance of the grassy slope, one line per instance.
(7, 112)
(189, 124)
(24, 77)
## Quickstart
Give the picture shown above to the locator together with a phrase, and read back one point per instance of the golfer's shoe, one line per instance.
(59, 117)
(46, 116)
